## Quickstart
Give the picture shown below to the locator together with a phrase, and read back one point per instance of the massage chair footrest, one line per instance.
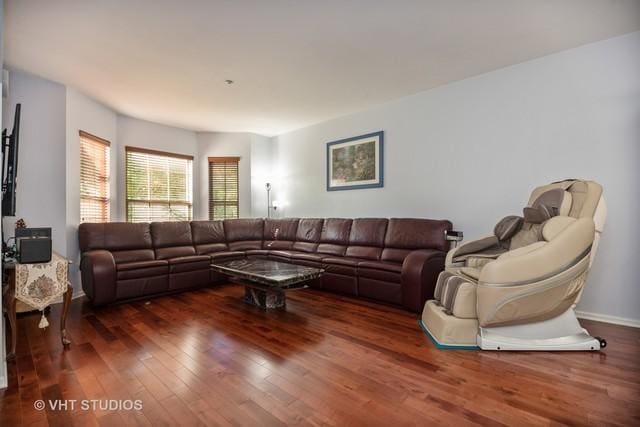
(446, 330)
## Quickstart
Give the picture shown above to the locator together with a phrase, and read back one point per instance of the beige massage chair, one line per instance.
(516, 289)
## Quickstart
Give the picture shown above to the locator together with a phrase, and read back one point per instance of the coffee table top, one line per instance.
(266, 271)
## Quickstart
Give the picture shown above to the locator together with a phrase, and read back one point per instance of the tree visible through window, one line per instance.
(223, 188)
(159, 186)
(94, 178)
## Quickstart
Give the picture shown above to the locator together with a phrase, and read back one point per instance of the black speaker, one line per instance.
(33, 245)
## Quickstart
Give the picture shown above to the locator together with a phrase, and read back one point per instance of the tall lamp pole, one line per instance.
(268, 187)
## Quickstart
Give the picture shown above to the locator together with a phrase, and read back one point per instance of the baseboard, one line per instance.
(634, 323)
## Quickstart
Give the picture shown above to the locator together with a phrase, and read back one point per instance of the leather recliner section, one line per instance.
(123, 261)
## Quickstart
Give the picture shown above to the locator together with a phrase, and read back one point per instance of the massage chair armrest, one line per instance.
(541, 259)
(98, 273)
(420, 271)
(477, 245)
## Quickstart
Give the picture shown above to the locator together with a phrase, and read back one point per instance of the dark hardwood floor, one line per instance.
(206, 358)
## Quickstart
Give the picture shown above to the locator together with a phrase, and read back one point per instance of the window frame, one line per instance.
(131, 149)
(106, 200)
(210, 201)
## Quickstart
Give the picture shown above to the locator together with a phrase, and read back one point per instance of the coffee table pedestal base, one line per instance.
(264, 298)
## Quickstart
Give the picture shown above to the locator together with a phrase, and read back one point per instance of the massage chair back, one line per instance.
(586, 202)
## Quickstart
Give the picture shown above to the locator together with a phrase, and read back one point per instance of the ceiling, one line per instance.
(294, 62)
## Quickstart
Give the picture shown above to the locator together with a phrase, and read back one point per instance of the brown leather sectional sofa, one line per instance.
(396, 261)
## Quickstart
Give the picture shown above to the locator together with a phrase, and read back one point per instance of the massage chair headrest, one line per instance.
(548, 205)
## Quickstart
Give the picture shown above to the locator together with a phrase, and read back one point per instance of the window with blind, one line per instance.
(94, 178)
(159, 186)
(223, 188)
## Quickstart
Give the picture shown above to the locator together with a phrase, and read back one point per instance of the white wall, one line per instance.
(42, 155)
(143, 134)
(83, 113)
(472, 151)
(261, 173)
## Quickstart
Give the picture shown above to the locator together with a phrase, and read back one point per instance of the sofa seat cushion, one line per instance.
(383, 271)
(243, 245)
(283, 253)
(174, 252)
(278, 244)
(380, 265)
(329, 249)
(219, 256)
(188, 259)
(341, 265)
(125, 266)
(209, 248)
(142, 269)
(395, 254)
(308, 257)
(347, 261)
(257, 252)
(121, 257)
(189, 263)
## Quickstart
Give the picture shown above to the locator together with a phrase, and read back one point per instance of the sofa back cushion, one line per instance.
(366, 239)
(334, 236)
(127, 242)
(172, 239)
(208, 237)
(279, 234)
(308, 234)
(407, 234)
(243, 234)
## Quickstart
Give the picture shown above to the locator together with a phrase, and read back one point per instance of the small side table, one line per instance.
(9, 307)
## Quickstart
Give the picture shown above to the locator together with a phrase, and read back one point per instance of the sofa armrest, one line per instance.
(420, 271)
(98, 272)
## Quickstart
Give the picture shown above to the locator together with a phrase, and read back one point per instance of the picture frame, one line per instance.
(356, 162)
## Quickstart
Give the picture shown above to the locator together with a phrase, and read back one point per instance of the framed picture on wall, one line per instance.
(356, 162)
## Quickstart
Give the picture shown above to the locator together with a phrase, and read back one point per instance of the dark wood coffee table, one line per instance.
(265, 281)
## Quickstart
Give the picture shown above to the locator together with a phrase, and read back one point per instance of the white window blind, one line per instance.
(223, 188)
(94, 178)
(159, 186)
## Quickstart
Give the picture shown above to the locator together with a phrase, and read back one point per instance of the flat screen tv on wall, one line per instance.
(10, 166)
